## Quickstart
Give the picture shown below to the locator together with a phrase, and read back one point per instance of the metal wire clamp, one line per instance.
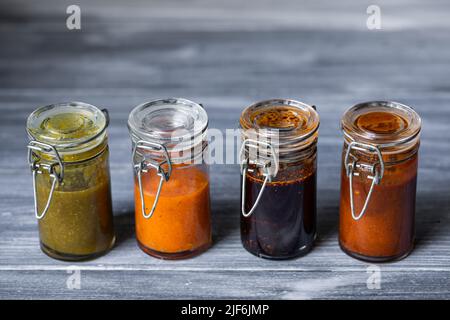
(143, 167)
(38, 167)
(265, 165)
(376, 170)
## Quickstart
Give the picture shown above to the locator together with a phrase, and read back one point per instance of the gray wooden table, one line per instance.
(225, 55)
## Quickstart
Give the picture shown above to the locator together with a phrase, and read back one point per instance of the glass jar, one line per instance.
(278, 167)
(68, 156)
(172, 205)
(379, 177)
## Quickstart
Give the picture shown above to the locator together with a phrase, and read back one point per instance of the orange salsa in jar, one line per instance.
(378, 181)
(172, 202)
(181, 222)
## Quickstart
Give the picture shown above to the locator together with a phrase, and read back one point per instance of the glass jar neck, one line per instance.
(72, 155)
(390, 155)
(172, 128)
(389, 128)
(67, 132)
(181, 153)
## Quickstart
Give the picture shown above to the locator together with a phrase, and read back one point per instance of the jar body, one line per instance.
(79, 222)
(180, 226)
(278, 174)
(283, 224)
(378, 180)
(386, 231)
(172, 206)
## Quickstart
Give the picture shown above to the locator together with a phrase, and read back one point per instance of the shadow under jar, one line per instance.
(68, 156)
(378, 181)
(278, 167)
(172, 205)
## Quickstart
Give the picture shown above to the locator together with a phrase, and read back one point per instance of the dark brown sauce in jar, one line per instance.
(284, 223)
(278, 190)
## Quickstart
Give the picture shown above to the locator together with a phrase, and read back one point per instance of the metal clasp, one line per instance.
(39, 168)
(265, 165)
(144, 165)
(376, 170)
(106, 114)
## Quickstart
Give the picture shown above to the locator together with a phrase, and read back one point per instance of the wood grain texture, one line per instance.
(225, 55)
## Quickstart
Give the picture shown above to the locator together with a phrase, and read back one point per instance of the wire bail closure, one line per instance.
(143, 167)
(266, 166)
(39, 168)
(376, 170)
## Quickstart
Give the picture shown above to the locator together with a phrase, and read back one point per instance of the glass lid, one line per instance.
(282, 116)
(289, 125)
(167, 120)
(66, 125)
(382, 123)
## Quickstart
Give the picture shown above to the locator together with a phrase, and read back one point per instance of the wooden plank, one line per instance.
(224, 284)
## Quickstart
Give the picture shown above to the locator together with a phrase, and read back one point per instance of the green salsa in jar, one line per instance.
(68, 155)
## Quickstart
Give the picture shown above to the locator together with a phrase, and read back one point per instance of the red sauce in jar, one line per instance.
(385, 230)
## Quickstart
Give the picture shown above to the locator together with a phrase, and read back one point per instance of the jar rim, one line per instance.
(385, 124)
(295, 120)
(70, 127)
(165, 121)
(289, 127)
